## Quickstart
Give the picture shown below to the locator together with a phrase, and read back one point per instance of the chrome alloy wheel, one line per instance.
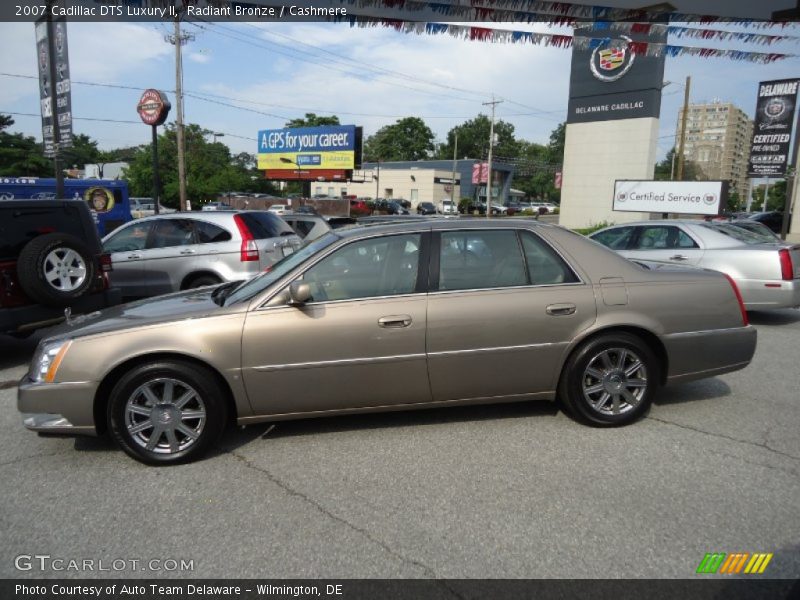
(165, 416)
(615, 381)
(64, 269)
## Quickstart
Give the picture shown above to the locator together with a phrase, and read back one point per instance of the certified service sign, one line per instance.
(153, 107)
(684, 197)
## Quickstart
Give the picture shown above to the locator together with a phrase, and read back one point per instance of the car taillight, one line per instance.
(787, 269)
(105, 263)
(249, 249)
(745, 319)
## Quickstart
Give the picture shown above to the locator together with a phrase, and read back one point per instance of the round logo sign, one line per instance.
(153, 107)
(710, 199)
(612, 59)
(775, 108)
(99, 199)
(622, 196)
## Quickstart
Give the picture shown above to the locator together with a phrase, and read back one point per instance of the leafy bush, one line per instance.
(592, 228)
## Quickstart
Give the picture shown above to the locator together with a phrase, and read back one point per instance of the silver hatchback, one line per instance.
(179, 251)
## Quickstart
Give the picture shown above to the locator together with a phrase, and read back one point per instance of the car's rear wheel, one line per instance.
(56, 268)
(610, 380)
(166, 412)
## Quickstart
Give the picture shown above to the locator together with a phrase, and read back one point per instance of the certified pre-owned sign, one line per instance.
(684, 197)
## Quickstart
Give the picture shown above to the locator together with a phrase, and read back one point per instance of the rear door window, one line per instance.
(265, 225)
(169, 233)
(545, 266)
(208, 233)
(480, 259)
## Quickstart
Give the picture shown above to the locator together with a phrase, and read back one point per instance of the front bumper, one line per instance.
(63, 408)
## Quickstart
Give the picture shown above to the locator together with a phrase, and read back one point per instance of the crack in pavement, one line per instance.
(9, 384)
(756, 464)
(763, 445)
(319, 507)
(32, 456)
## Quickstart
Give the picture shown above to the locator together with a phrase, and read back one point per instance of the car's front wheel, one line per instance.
(166, 412)
(610, 380)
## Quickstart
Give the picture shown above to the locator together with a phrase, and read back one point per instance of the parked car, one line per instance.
(773, 220)
(51, 259)
(305, 210)
(146, 207)
(426, 208)
(307, 227)
(359, 208)
(389, 207)
(210, 206)
(279, 209)
(390, 317)
(449, 208)
(768, 274)
(169, 253)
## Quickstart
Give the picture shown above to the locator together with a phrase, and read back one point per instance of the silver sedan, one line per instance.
(767, 273)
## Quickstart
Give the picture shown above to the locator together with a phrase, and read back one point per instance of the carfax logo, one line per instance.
(735, 563)
(612, 59)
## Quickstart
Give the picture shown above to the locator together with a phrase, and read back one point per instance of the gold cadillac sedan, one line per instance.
(391, 317)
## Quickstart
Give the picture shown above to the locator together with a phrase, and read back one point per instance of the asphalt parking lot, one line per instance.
(509, 491)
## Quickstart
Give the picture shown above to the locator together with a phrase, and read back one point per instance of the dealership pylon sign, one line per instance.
(52, 59)
(772, 130)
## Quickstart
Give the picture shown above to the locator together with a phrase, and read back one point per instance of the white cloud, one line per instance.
(201, 57)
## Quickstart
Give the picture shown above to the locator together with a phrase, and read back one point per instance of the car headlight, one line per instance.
(47, 359)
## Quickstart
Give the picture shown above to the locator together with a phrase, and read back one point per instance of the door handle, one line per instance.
(134, 256)
(188, 251)
(395, 321)
(679, 257)
(558, 310)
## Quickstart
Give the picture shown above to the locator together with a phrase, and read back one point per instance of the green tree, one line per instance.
(210, 169)
(407, 139)
(83, 151)
(775, 200)
(313, 120)
(473, 139)
(665, 169)
(21, 155)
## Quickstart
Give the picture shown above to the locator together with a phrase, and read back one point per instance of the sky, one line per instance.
(370, 77)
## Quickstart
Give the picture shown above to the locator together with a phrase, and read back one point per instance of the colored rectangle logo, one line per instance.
(734, 563)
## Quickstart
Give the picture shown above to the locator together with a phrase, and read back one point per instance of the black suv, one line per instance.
(51, 259)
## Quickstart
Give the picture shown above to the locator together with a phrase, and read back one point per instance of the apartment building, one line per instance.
(718, 138)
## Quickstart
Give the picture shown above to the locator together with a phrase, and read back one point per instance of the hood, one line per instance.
(188, 305)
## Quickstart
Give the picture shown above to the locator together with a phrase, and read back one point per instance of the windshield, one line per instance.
(258, 284)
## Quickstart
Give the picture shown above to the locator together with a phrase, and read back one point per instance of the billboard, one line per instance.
(685, 197)
(609, 81)
(53, 61)
(325, 148)
(772, 129)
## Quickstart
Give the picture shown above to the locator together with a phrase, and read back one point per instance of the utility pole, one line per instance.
(179, 39)
(493, 104)
(683, 126)
(454, 204)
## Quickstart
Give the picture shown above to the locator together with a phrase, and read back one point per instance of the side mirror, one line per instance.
(299, 293)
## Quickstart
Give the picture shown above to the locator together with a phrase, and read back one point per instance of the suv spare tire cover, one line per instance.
(55, 268)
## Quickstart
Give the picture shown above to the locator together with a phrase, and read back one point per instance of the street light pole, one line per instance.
(179, 39)
(453, 202)
(683, 126)
(493, 104)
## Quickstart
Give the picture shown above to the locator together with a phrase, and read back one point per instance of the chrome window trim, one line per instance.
(339, 362)
(329, 302)
(499, 289)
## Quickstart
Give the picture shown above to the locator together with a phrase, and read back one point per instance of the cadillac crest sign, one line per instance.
(612, 60)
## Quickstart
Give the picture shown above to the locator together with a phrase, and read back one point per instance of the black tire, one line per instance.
(133, 429)
(201, 280)
(588, 381)
(47, 280)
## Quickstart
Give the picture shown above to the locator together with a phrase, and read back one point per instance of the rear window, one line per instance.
(208, 233)
(265, 225)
